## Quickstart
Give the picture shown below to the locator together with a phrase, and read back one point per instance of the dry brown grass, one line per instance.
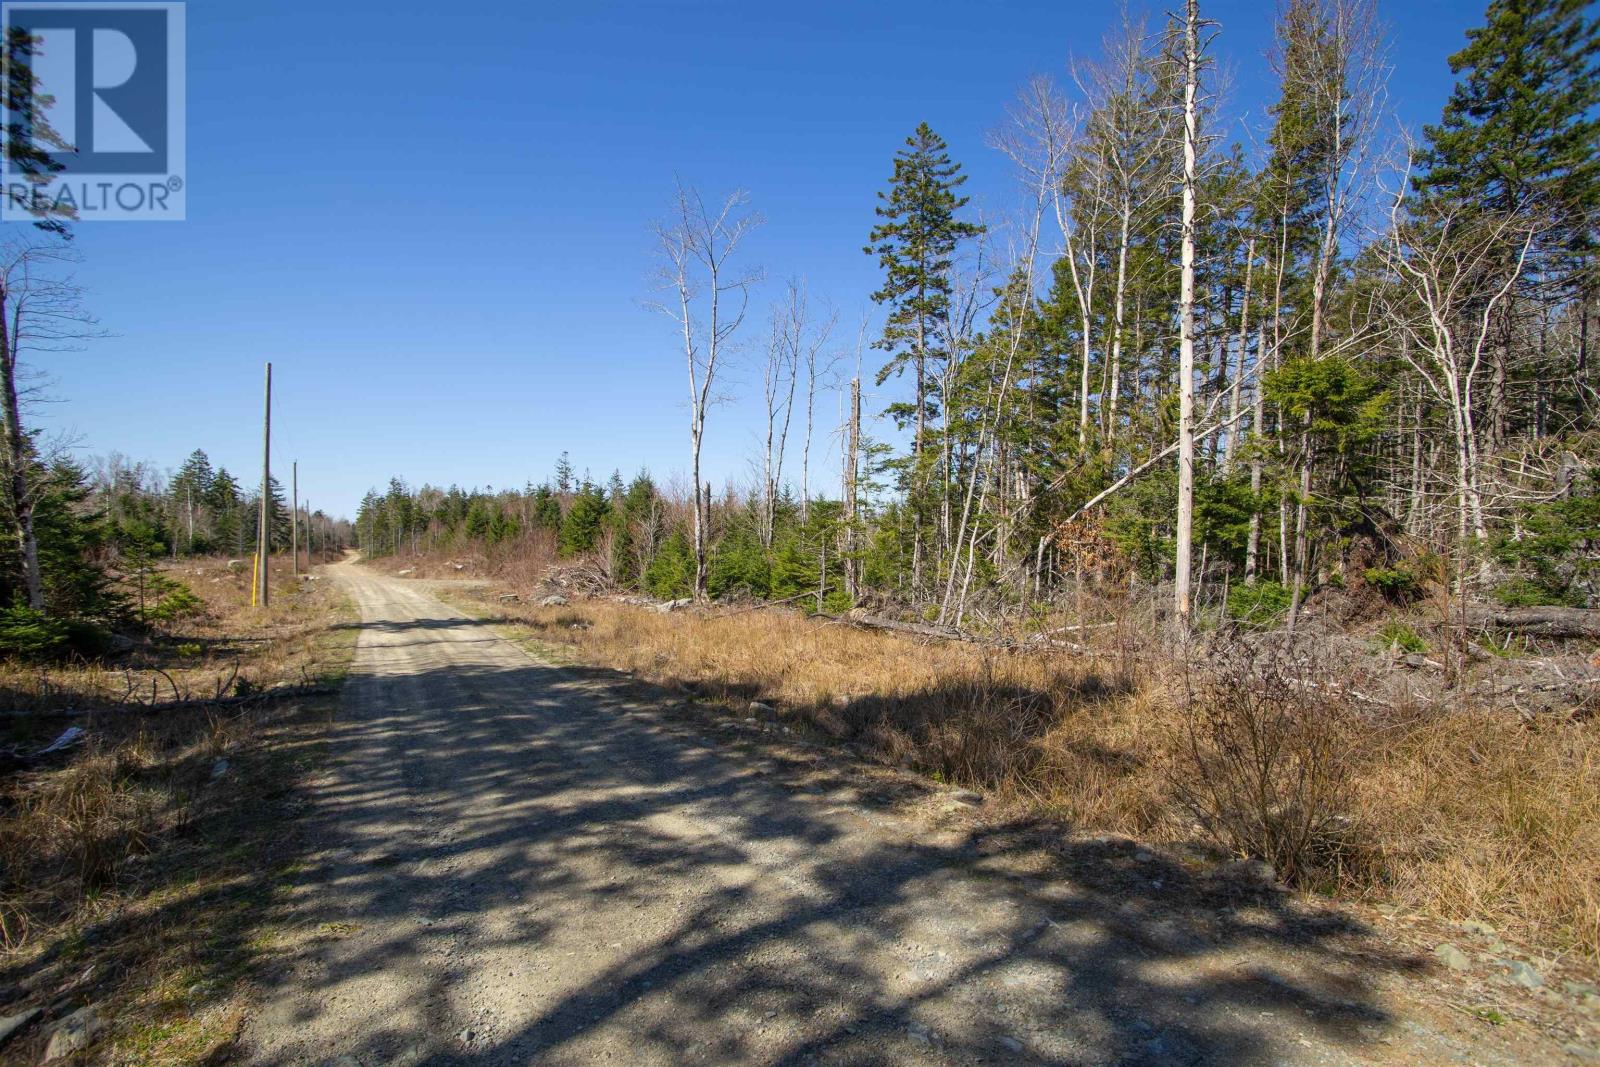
(1484, 816)
(133, 865)
(1456, 814)
(520, 562)
(226, 649)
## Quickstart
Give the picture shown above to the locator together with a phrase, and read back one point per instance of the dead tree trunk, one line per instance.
(17, 452)
(1185, 530)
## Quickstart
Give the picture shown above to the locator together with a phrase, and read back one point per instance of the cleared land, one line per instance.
(511, 861)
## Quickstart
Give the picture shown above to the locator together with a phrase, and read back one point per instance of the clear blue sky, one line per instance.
(434, 218)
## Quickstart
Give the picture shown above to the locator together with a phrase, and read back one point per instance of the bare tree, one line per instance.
(1185, 525)
(1078, 217)
(1124, 139)
(1037, 139)
(817, 366)
(1453, 274)
(1330, 60)
(696, 246)
(780, 373)
(41, 309)
(1342, 78)
(794, 344)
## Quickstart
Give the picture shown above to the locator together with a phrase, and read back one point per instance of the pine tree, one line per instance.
(190, 487)
(581, 529)
(916, 245)
(564, 474)
(31, 141)
(1521, 124)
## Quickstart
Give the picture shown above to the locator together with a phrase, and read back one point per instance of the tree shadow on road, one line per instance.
(521, 863)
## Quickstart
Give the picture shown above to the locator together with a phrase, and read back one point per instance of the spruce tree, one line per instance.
(278, 517)
(546, 508)
(1521, 125)
(1520, 136)
(31, 141)
(230, 525)
(916, 243)
(196, 471)
(581, 529)
(189, 489)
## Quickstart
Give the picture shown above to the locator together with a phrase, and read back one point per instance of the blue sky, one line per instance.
(434, 219)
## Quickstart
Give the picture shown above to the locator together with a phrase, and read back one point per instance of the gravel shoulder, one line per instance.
(510, 861)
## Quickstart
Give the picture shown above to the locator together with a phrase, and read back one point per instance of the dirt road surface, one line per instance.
(511, 862)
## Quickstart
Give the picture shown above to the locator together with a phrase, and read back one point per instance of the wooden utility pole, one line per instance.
(264, 524)
(294, 515)
(851, 467)
(1185, 532)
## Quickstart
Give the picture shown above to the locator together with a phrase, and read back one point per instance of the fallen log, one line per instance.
(915, 629)
(133, 708)
(1542, 621)
(951, 633)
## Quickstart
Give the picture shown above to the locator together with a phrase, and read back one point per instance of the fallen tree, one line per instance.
(1557, 622)
(137, 707)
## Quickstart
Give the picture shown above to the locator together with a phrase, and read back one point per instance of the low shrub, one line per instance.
(177, 602)
(1270, 772)
(1551, 549)
(1396, 634)
(1529, 593)
(1398, 583)
(29, 633)
(1263, 604)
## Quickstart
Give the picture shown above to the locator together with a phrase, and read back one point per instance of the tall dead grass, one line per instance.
(70, 821)
(522, 561)
(1485, 816)
(1453, 813)
(227, 648)
(68, 829)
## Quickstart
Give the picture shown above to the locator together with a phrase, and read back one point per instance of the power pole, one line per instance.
(311, 538)
(264, 526)
(294, 515)
(851, 469)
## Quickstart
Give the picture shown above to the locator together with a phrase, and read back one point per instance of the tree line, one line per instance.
(102, 530)
(1241, 362)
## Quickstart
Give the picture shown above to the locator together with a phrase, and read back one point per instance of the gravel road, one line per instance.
(511, 862)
